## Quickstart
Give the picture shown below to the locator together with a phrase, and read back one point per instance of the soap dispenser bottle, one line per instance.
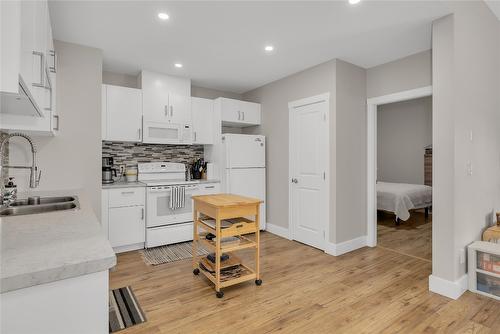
(9, 194)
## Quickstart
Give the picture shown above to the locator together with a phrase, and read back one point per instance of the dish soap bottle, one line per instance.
(9, 194)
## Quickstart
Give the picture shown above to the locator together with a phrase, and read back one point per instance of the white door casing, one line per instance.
(371, 171)
(308, 170)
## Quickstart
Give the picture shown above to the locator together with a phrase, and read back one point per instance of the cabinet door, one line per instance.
(105, 212)
(250, 113)
(126, 226)
(230, 110)
(124, 114)
(180, 109)
(155, 102)
(202, 113)
(39, 82)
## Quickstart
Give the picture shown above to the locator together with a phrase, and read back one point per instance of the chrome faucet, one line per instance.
(35, 174)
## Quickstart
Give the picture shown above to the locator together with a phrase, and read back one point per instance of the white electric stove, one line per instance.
(169, 208)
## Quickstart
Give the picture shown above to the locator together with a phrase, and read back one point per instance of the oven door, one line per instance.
(158, 208)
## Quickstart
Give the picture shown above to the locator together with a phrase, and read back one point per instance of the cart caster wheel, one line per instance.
(258, 282)
(196, 271)
(219, 294)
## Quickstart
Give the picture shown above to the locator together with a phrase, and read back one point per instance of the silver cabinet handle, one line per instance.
(139, 133)
(42, 62)
(166, 110)
(127, 192)
(243, 115)
(52, 68)
(142, 213)
(239, 115)
(194, 136)
(171, 111)
(57, 118)
(209, 187)
(48, 86)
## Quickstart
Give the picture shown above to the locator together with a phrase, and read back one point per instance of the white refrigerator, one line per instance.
(243, 168)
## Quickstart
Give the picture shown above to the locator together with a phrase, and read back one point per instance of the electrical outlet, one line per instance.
(122, 169)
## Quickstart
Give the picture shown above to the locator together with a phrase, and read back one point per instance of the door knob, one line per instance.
(294, 180)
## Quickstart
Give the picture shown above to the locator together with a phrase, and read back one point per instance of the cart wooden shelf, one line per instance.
(208, 213)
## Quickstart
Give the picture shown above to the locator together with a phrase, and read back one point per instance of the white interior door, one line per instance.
(308, 173)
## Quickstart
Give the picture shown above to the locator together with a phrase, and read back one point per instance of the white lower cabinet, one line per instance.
(123, 217)
(126, 226)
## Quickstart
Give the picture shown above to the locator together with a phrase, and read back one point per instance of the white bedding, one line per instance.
(400, 198)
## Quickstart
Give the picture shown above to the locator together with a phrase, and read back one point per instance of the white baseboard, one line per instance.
(447, 288)
(346, 246)
(278, 230)
(128, 248)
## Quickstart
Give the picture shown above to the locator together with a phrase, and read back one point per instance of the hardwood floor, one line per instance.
(370, 290)
(412, 237)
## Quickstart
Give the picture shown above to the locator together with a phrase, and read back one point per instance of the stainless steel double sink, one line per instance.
(33, 205)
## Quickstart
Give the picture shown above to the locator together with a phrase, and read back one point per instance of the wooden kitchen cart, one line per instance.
(210, 213)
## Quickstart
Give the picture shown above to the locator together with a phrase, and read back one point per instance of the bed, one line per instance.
(400, 198)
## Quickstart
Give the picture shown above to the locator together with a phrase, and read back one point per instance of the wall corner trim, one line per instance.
(450, 289)
(346, 246)
(278, 230)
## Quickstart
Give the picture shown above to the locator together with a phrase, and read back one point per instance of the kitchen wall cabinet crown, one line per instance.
(121, 114)
(28, 85)
(239, 113)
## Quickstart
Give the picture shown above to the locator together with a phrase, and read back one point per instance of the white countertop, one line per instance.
(122, 184)
(47, 247)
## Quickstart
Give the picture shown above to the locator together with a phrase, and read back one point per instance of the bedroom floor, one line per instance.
(412, 237)
(370, 290)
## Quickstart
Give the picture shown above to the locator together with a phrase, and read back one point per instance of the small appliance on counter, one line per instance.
(107, 170)
(131, 173)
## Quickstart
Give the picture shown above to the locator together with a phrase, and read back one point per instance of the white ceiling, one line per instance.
(221, 43)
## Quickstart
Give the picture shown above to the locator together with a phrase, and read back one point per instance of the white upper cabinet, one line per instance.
(239, 113)
(122, 114)
(28, 86)
(166, 98)
(166, 106)
(203, 119)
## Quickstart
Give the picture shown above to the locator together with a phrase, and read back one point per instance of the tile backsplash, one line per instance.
(4, 159)
(125, 153)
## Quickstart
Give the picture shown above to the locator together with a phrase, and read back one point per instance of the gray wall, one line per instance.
(466, 98)
(411, 72)
(72, 159)
(208, 93)
(346, 84)
(404, 129)
(274, 98)
(127, 80)
(118, 79)
(350, 153)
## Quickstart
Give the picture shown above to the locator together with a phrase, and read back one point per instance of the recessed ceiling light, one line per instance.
(163, 16)
(178, 65)
(269, 48)
(353, 2)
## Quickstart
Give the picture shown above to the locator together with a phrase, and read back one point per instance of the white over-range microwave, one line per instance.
(166, 133)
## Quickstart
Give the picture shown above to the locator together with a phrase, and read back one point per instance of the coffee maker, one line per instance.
(107, 170)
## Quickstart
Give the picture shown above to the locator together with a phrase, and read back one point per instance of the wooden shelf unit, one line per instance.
(221, 207)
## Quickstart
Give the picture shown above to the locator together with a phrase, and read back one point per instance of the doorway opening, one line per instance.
(399, 205)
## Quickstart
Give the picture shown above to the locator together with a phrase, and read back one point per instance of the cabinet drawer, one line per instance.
(126, 197)
(209, 188)
(170, 234)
